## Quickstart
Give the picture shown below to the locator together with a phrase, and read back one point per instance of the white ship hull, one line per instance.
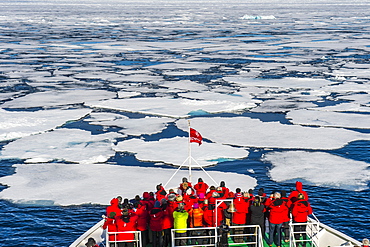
(325, 236)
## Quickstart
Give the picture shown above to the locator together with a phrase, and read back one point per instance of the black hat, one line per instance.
(283, 193)
(90, 242)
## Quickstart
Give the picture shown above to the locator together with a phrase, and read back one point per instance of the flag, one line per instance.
(195, 136)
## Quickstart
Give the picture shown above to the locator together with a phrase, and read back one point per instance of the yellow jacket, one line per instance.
(180, 220)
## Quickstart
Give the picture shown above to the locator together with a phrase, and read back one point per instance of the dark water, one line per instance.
(39, 26)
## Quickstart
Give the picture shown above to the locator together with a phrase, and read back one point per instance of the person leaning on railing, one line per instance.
(278, 215)
(301, 209)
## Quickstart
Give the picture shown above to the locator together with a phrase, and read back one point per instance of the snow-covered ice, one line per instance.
(248, 132)
(128, 81)
(319, 168)
(20, 124)
(74, 184)
(169, 151)
(69, 145)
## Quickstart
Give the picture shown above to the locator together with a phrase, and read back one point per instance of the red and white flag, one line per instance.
(195, 136)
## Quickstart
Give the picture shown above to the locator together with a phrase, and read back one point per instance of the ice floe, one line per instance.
(282, 106)
(319, 168)
(174, 151)
(345, 107)
(248, 132)
(16, 124)
(329, 119)
(75, 184)
(68, 145)
(171, 107)
(258, 17)
(293, 83)
(58, 98)
(136, 127)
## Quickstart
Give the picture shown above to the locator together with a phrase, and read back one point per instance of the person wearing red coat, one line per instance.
(298, 190)
(209, 217)
(201, 187)
(114, 207)
(225, 190)
(239, 217)
(156, 224)
(111, 227)
(278, 215)
(210, 214)
(189, 198)
(160, 193)
(209, 194)
(143, 222)
(168, 209)
(147, 201)
(300, 211)
(126, 222)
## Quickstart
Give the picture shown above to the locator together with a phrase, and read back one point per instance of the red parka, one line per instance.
(209, 215)
(168, 216)
(240, 216)
(299, 190)
(114, 207)
(143, 218)
(161, 193)
(278, 212)
(124, 224)
(209, 194)
(112, 228)
(156, 219)
(201, 187)
(301, 210)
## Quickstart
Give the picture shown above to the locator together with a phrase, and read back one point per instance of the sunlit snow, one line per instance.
(329, 119)
(70, 145)
(248, 132)
(69, 184)
(57, 98)
(139, 126)
(19, 124)
(165, 106)
(335, 172)
(174, 151)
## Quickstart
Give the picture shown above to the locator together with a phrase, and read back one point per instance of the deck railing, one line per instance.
(244, 235)
(304, 233)
(137, 238)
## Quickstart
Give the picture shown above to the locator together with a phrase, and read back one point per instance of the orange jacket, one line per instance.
(196, 217)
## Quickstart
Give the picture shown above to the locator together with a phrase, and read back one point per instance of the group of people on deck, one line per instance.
(194, 206)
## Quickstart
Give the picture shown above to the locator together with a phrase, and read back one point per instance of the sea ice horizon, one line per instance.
(96, 101)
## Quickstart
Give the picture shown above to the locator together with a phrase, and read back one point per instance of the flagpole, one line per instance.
(189, 152)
